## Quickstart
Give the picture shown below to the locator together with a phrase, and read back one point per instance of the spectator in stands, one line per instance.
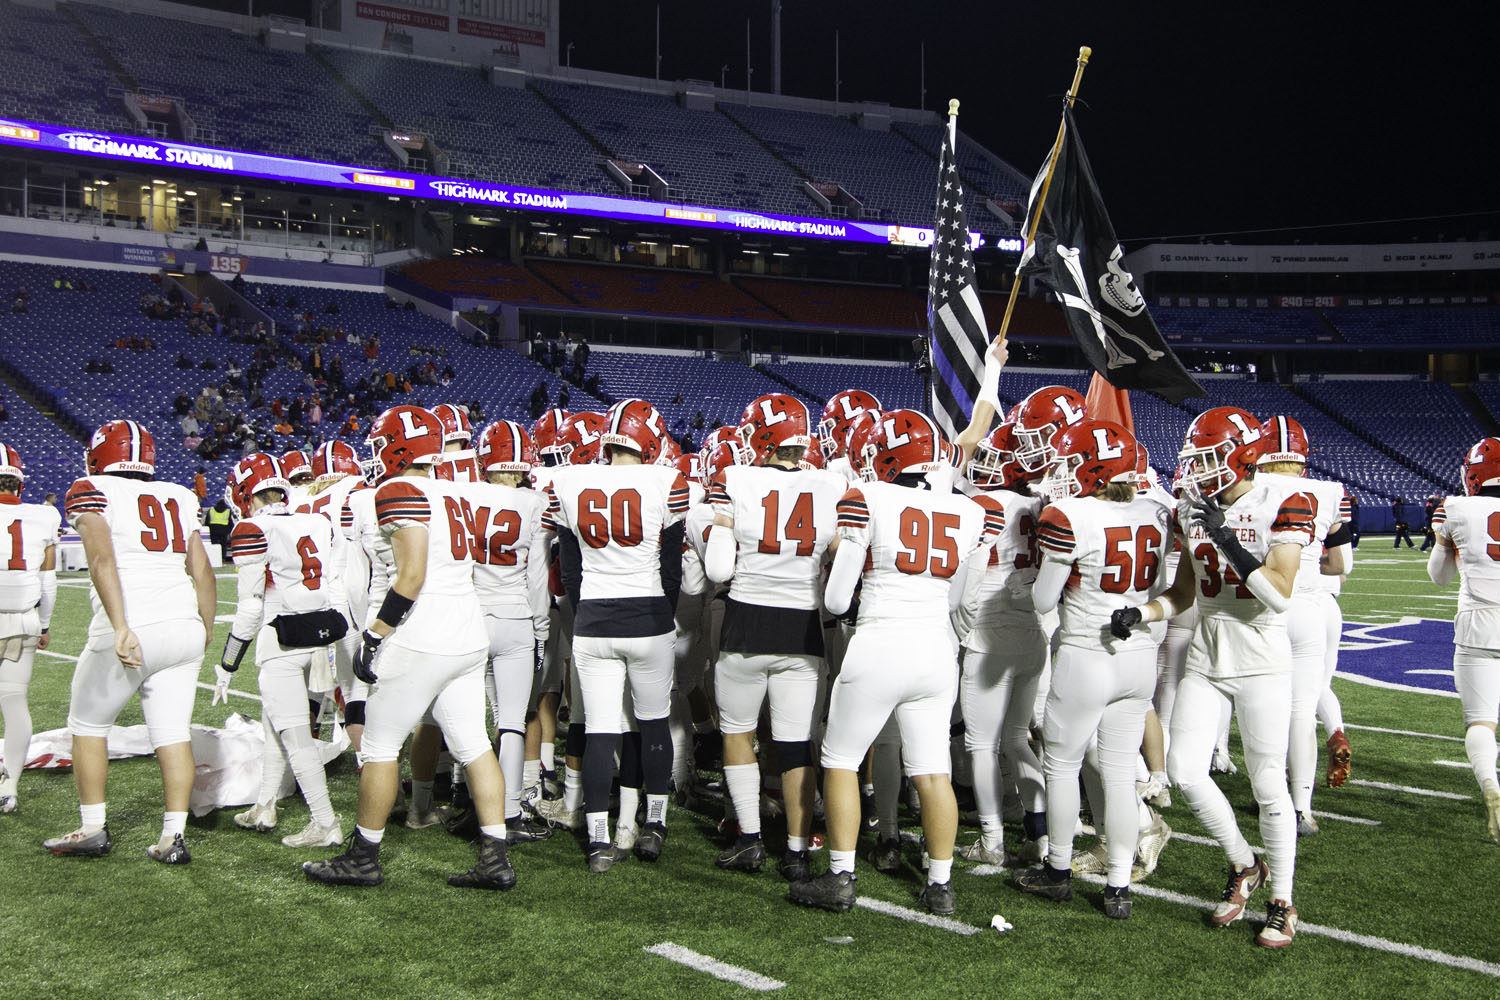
(19, 305)
(4, 413)
(591, 385)
(208, 365)
(314, 412)
(335, 374)
(332, 306)
(200, 484)
(372, 347)
(581, 355)
(698, 421)
(538, 398)
(183, 361)
(476, 411)
(238, 283)
(188, 424)
(1398, 511)
(192, 442)
(564, 396)
(181, 403)
(315, 361)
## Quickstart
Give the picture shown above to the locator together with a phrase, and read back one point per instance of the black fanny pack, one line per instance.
(310, 629)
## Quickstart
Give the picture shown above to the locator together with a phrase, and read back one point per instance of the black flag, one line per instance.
(1075, 253)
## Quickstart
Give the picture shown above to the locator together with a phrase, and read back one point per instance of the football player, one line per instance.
(1103, 544)
(772, 525)
(1006, 654)
(1284, 455)
(424, 652)
(910, 548)
(1242, 545)
(621, 536)
(541, 722)
(1468, 541)
(154, 599)
(28, 593)
(510, 552)
(296, 466)
(286, 606)
(834, 426)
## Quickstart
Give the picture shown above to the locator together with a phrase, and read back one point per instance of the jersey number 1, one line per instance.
(158, 529)
(17, 547)
(799, 525)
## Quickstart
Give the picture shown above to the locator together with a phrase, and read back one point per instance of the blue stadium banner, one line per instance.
(1076, 254)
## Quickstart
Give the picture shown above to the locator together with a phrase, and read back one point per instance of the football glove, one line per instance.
(364, 659)
(1209, 516)
(1122, 620)
(222, 678)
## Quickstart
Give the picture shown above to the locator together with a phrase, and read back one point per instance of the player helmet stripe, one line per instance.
(10, 463)
(1284, 441)
(121, 446)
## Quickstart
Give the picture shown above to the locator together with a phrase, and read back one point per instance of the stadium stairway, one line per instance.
(775, 376)
(87, 36)
(1476, 405)
(573, 123)
(1391, 453)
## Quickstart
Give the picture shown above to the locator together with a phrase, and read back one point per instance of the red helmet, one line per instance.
(547, 433)
(691, 467)
(121, 446)
(255, 472)
(455, 421)
(334, 460)
(720, 457)
(994, 465)
(901, 441)
(1284, 441)
(812, 458)
(10, 464)
(581, 439)
(1090, 455)
(635, 425)
(671, 451)
(1219, 450)
(1481, 466)
(1043, 414)
(504, 446)
(401, 437)
(296, 466)
(842, 408)
(1144, 476)
(718, 436)
(773, 421)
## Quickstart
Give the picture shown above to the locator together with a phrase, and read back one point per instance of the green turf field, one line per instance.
(1403, 908)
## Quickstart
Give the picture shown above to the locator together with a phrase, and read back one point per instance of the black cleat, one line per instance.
(603, 857)
(358, 865)
(829, 891)
(1117, 902)
(796, 866)
(650, 842)
(493, 871)
(746, 854)
(525, 830)
(1047, 882)
(464, 824)
(173, 853)
(938, 898)
(886, 855)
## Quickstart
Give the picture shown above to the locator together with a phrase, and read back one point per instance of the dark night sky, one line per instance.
(1201, 117)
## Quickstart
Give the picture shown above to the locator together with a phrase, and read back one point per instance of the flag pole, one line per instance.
(1084, 52)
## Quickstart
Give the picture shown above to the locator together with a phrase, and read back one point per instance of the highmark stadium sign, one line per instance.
(242, 165)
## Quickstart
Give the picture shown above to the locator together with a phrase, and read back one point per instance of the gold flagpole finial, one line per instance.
(953, 106)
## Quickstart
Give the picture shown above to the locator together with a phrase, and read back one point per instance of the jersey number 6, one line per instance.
(609, 517)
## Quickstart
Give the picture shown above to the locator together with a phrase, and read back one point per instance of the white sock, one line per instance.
(656, 809)
(497, 830)
(1330, 711)
(373, 836)
(92, 814)
(307, 766)
(840, 861)
(1479, 741)
(572, 789)
(992, 830)
(744, 789)
(598, 827)
(796, 843)
(549, 757)
(421, 796)
(630, 805)
(531, 774)
(939, 872)
(173, 824)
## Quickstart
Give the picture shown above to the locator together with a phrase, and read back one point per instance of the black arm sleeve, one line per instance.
(572, 564)
(1234, 553)
(1339, 534)
(671, 560)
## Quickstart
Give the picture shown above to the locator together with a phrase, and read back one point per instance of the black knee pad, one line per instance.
(354, 713)
(574, 743)
(794, 754)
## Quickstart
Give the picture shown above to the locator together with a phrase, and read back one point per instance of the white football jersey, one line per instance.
(617, 513)
(1332, 509)
(694, 543)
(367, 589)
(1273, 512)
(446, 618)
(149, 525)
(283, 561)
(842, 467)
(914, 541)
(1010, 570)
(1472, 526)
(27, 531)
(783, 522)
(510, 551)
(1116, 551)
(332, 504)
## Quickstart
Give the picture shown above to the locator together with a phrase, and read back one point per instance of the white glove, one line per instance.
(222, 678)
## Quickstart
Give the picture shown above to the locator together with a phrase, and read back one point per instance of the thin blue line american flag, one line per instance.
(955, 319)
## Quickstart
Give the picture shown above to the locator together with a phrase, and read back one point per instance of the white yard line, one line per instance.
(916, 916)
(206, 687)
(1462, 765)
(1348, 937)
(1340, 818)
(1425, 792)
(719, 970)
(1389, 686)
(1399, 732)
(1189, 838)
(1408, 597)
